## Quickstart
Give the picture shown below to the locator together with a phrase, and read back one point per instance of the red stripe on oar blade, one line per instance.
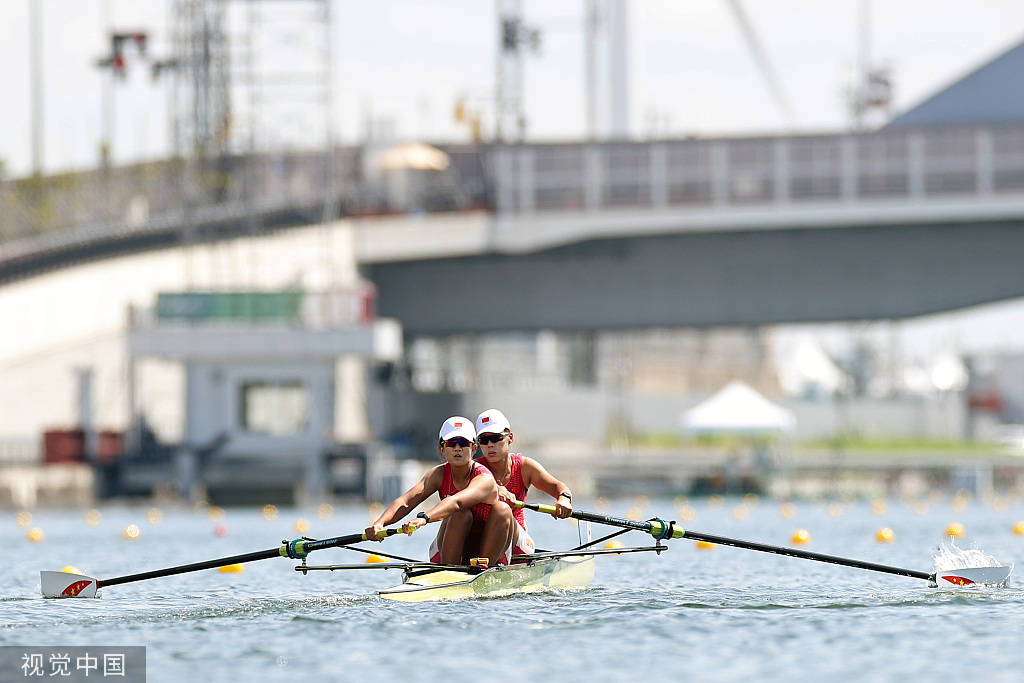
(75, 588)
(958, 580)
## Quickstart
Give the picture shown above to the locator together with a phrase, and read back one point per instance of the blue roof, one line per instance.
(992, 93)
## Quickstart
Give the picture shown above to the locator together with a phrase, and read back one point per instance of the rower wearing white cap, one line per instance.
(516, 473)
(467, 490)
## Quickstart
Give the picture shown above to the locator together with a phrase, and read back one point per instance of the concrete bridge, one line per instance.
(717, 232)
(577, 236)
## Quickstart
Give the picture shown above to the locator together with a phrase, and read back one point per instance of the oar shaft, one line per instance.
(295, 549)
(194, 567)
(656, 528)
(591, 517)
(806, 555)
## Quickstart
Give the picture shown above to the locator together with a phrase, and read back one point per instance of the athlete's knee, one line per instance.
(461, 518)
(501, 511)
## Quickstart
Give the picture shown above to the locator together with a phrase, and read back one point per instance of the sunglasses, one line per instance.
(457, 442)
(490, 438)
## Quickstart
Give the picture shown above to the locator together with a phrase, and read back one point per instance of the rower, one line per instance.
(467, 490)
(515, 474)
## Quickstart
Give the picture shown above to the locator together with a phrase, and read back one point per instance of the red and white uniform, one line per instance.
(517, 487)
(480, 510)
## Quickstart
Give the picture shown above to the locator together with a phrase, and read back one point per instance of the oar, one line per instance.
(661, 529)
(64, 585)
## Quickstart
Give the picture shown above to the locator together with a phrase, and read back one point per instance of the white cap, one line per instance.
(493, 421)
(457, 425)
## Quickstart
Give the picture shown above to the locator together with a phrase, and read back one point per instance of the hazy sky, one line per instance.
(408, 59)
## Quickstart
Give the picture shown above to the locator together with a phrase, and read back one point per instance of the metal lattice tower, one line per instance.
(251, 75)
(514, 38)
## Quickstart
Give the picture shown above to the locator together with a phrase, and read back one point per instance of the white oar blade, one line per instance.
(65, 585)
(973, 576)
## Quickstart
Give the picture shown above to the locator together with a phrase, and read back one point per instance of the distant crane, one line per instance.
(757, 51)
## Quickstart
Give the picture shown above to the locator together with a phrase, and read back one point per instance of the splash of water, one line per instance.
(951, 557)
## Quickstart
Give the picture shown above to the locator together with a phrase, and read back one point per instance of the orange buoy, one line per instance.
(131, 532)
(1018, 528)
(884, 535)
(374, 559)
(800, 537)
(231, 569)
(704, 545)
(686, 513)
(955, 529)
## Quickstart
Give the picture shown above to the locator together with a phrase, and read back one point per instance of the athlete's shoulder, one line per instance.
(527, 462)
(479, 470)
(437, 471)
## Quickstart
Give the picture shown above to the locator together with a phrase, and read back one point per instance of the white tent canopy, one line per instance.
(412, 156)
(806, 367)
(738, 409)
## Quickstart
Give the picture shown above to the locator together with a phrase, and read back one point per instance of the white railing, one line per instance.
(915, 164)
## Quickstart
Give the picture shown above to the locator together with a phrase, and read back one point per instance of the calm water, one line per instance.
(723, 614)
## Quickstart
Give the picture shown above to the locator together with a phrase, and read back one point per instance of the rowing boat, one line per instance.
(527, 574)
(421, 585)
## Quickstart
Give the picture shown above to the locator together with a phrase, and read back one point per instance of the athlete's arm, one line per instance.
(534, 474)
(481, 489)
(506, 495)
(405, 503)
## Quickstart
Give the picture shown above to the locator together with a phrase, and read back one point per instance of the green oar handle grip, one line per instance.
(300, 547)
(659, 530)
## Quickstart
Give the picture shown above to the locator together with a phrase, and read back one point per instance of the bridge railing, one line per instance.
(74, 210)
(71, 213)
(913, 164)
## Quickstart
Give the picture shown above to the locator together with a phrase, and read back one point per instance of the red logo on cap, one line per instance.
(456, 424)
(75, 588)
(485, 420)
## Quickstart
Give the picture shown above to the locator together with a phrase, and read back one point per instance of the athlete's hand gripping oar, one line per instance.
(64, 585)
(661, 529)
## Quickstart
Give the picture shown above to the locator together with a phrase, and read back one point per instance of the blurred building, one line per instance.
(986, 95)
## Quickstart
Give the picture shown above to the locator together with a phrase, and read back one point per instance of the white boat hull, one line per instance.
(532, 577)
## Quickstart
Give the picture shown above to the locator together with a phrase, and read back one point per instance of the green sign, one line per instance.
(251, 306)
